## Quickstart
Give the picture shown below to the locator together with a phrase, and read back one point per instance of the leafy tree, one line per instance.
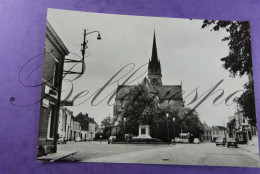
(106, 126)
(239, 59)
(140, 108)
(186, 120)
(143, 108)
(247, 102)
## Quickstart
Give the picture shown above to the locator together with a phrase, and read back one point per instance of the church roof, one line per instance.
(169, 92)
(164, 92)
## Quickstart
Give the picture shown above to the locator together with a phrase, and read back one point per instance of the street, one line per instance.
(179, 154)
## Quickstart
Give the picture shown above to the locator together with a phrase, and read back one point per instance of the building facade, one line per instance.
(64, 124)
(88, 126)
(242, 130)
(218, 132)
(55, 52)
(206, 137)
(75, 129)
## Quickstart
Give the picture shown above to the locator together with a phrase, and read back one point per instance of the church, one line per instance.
(165, 94)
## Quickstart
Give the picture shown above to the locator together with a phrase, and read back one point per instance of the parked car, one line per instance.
(232, 142)
(196, 141)
(220, 141)
(111, 139)
(78, 139)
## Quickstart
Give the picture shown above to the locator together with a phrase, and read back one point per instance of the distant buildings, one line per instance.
(212, 133)
(88, 126)
(207, 133)
(80, 126)
(218, 132)
(239, 127)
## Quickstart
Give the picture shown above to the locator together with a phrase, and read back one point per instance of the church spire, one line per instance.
(154, 66)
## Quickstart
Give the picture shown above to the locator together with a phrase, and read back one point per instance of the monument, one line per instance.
(144, 132)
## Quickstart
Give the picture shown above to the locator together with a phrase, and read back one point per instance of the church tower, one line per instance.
(154, 67)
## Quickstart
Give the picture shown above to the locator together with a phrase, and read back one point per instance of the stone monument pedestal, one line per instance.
(144, 131)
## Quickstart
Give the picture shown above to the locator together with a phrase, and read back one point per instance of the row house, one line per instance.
(210, 134)
(75, 130)
(53, 62)
(71, 127)
(65, 125)
(218, 132)
(206, 136)
(88, 126)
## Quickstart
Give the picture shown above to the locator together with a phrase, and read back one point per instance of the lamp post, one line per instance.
(124, 127)
(83, 49)
(100, 139)
(167, 115)
(173, 119)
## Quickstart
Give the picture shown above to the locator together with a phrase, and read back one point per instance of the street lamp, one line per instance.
(83, 49)
(124, 127)
(100, 139)
(167, 115)
(173, 119)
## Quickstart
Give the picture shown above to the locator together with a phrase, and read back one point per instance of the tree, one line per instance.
(239, 59)
(186, 119)
(140, 108)
(247, 102)
(106, 126)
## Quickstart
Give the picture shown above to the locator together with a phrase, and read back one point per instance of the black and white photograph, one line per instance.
(147, 90)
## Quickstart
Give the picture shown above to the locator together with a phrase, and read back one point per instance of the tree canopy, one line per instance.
(239, 59)
(141, 107)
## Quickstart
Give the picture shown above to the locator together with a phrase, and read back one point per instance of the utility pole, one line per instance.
(84, 44)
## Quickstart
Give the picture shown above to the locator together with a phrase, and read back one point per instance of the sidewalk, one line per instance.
(251, 147)
(55, 156)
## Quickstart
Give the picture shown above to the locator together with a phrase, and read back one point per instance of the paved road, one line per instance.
(182, 154)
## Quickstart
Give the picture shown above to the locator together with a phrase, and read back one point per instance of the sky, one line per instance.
(189, 55)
